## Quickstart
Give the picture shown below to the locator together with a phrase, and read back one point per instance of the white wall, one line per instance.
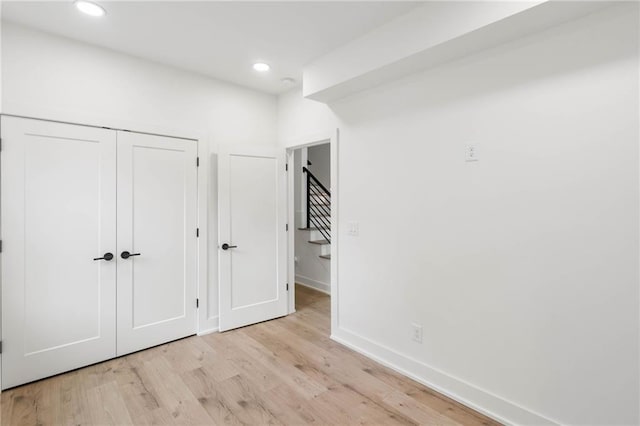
(47, 75)
(1, 24)
(320, 158)
(0, 112)
(302, 121)
(50, 77)
(523, 267)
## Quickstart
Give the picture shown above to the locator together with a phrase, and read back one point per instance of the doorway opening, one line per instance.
(312, 244)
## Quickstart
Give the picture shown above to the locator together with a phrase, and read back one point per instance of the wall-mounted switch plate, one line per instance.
(416, 333)
(353, 229)
(471, 152)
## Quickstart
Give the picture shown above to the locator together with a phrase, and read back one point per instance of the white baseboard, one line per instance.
(208, 331)
(316, 285)
(485, 402)
(212, 326)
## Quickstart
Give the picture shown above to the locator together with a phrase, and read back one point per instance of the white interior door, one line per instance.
(58, 195)
(157, 220)
(253, 285)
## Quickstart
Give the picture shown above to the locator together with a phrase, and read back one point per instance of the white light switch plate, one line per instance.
(471, 152)
(416, 333)
(353, 229)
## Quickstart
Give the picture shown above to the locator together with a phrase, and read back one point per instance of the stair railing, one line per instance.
(318, 205)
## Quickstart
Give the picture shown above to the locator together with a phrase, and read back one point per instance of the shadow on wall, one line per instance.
(524, 61)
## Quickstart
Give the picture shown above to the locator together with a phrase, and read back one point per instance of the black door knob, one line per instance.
(106, 256)
(126, 254)
(226, 246)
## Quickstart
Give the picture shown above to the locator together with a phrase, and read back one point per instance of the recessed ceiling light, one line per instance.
(89, 8)
(261, 67)
(287, 80)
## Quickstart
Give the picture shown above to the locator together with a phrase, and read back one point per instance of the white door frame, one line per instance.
(331, 137)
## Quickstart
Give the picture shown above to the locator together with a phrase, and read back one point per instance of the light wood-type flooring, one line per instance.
(285, 371)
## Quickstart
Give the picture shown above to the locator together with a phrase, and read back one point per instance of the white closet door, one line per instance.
(58, 197)
(252, 237)
(157, 208)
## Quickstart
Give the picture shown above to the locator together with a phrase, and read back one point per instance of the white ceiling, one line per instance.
(218, 39)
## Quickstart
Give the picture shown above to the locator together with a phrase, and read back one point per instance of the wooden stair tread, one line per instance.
(312, 229)
(320, 242)
(325, 256)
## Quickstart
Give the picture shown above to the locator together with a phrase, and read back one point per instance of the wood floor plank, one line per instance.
(210, 395)
(430, 398)
(350, 374)
(266, 379)
(241, 397)
(281, 372)
(293, 410)
(285, 371)
(172, 393)
(106, 406)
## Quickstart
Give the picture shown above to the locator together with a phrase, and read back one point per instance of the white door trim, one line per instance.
(331, 137)
(122, 129)
(208, 239)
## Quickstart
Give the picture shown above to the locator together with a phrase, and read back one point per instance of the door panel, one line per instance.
(58, 213)
(157, 208)
(252, 206)
(257, 283)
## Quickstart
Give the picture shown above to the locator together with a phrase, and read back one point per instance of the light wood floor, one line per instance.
(285, 371)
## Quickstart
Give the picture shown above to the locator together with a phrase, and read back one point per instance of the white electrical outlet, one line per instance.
(353, 229)
(471, 152)
(416, 333)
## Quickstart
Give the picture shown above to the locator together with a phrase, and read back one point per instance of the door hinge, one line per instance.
(0, 144)
(197, 232)
(286, 227)
(0, 246)
(197, 303)
(0, 346)
(287, 286)
(197, 161)
(286, 167)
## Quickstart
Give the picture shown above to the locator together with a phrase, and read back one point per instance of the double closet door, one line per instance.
(99, 245)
